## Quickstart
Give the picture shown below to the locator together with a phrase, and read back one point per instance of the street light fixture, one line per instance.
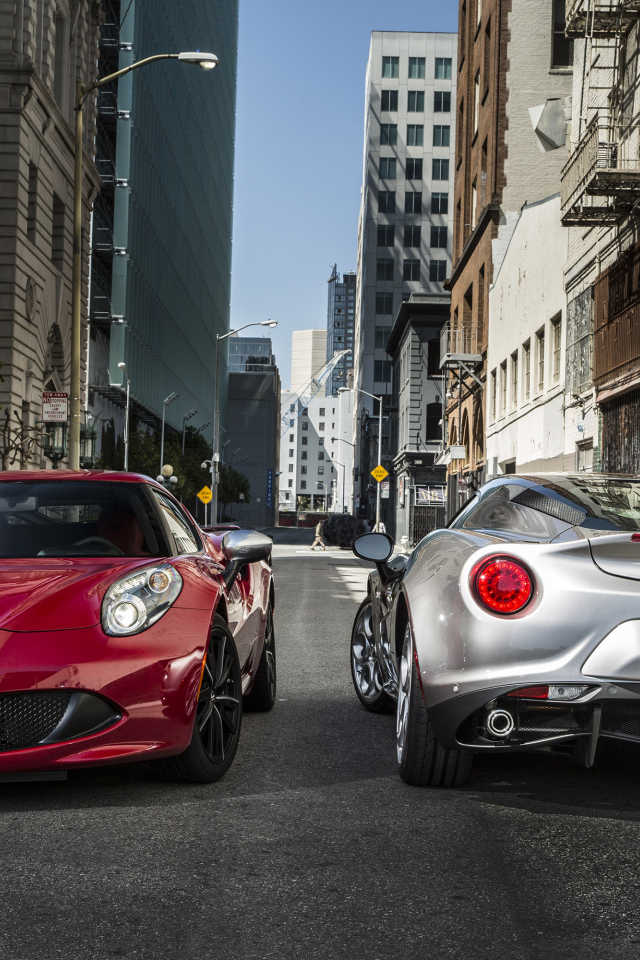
(123, 366)
(379, 399)
(186, 417)
(165, 404)
(216, 417)
(344, 478)
(207, 61)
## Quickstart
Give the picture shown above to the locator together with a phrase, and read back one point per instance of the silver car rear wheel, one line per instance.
(404, 693)
(365, 668)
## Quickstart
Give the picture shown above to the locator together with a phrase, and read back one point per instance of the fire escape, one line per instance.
(601, 179)
(459, 356)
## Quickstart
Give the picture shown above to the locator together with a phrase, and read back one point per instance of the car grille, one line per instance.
(549, 720)
(621, 718)
(28, 718)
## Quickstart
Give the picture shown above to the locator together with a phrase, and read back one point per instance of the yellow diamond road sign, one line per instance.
(205, 494)
(379, 473)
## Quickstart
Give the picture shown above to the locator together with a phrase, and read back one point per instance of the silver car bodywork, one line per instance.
(581, 626)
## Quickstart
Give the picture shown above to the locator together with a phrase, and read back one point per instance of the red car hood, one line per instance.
(51, 594)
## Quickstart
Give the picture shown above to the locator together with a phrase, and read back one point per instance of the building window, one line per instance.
(384, 304)
(416, 101)
(439, 237)
(390, 100)
(556, 335)
(290, 484)
(386, 235)
(526, 363)
(503, 387)
(474, 203)
(320, 471)
(414, 169)
(415, 135)
(32, 209)
(478, 12)
(382, 371)
(320, 454)
(382, 336)
(292, 408)
(303, 455)
(540, 349)
(305, 426)
(386, 201)
(585, 455)
(290, 468)
(290, 453)
(476, 102)
(562, 47)
(411, 270)
(321, 427)
(303, 470)
(412, 236)
(388, 168)
(57, 233)
(304, 441)
(434, 417)
(494, 393)
(440, 170)
(390, 67)
(389, 134)
(514, 380)
(412, 202)
(303, 484)
(416, 68)
(438, 271)
(322, 412)
(443, 68)
(441, 136)
(440, 203)
(384, 269)
(442, 101)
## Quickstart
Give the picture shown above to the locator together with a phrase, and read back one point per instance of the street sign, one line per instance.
(269, 489)
(241, 496)
(205, 495)
(379, 473)
(384, 490)
(55, 407)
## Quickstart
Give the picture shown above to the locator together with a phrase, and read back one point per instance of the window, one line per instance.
(585, 456)
(382, 371)
(438, 271)
(303, 484)
(386, 201)
(442, 101)
(303, 470)
(439, 237)
(322, 411)
(514, 380)
(412, 202)
(60, 63)
(441, 136)
(384, 269)
(382, 335)
(503, 387)
(494, 393)
(562, 47)
(440, 170)
(416, 68)
(390, 67)
(305, 441)
(303, 455)
(290, 438)
(290, 484)
(390, 100)
(526, 363)
(388, 168)
(321, 426)
(386, 235)
(414, 169)
(290, 453)
(415, 135)
(540, 349)
(476, 102)
(32, 209)
(440, 203)
(443, 68)
(556, 337)
(384, 304)
(184, 536)
(412, 236)
(486, 55)
(320, 472)
(320, 454)
(478, 12)
(57, 232)
(290, 468)
(474, 203)
(305, 426)
(416, 101)
(292, 408)
(433, 358)
(389, 134)
(411, 270)
(434, 416)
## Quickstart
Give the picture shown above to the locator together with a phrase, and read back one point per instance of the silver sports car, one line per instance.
(517, 627)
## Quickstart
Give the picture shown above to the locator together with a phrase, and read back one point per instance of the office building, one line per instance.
(250, 354)
(341, 322)
(308, 356)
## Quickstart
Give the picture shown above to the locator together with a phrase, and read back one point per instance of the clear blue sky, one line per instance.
(300, 125)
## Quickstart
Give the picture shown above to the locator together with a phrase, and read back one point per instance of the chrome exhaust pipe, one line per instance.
(500, 724)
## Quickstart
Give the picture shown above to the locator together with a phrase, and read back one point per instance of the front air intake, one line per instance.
(28, 718)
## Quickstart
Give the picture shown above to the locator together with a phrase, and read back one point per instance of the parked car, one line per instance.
(125, 634)
(515, 628)
(219, 528)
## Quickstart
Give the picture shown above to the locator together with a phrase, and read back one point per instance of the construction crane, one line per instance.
(301, 400)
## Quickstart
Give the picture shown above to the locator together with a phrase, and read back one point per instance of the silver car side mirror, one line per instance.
(240, 547)
(375, 547)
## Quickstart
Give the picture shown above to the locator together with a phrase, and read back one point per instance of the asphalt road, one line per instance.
(312, 847)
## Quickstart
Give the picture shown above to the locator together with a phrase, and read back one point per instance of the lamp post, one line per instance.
(205, 60)
(344, 480)
(216, 416)
(379, 398)
(165, 404)
(186, 417)
(225, 444)
(123, 366)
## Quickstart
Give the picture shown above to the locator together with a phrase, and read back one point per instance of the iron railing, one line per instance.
(599, 17)
(459, 342)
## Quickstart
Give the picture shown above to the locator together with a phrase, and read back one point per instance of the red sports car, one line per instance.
(125, 633)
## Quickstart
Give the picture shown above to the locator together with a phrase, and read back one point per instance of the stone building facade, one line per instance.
(44, 47)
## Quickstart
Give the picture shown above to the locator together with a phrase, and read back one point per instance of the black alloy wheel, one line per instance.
(216, 730)
(365, 668)
(263, 692)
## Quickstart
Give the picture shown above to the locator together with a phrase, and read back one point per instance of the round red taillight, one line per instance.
(503, 585)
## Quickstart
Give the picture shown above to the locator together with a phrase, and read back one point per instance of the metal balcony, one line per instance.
(599, 18)
(605, 164)
(458, 346)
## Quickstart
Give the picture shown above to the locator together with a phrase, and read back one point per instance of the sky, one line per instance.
(299, 141)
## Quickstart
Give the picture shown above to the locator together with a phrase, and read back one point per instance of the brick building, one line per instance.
(512, 58)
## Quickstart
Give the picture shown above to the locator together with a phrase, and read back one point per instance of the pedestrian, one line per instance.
(318, 540)
(381, 527)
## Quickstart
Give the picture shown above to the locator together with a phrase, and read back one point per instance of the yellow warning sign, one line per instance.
(205, 494)
(379, 473)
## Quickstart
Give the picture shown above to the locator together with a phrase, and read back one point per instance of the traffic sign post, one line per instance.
(379, 473)
(205, 495)
(55, 407)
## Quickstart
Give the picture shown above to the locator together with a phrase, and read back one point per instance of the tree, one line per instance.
(232, 484)
(18, 441)
(341, 529)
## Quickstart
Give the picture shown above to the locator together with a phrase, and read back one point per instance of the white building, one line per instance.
(526, 346)
(308, 355)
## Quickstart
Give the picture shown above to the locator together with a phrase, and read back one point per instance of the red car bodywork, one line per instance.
(51, 638)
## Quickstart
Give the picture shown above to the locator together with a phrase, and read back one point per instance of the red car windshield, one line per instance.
(77, 518)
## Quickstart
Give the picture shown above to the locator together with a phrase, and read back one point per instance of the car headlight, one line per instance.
(138, 601)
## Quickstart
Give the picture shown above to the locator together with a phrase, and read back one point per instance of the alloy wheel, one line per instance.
(366, 669)
(270, 655)
(404, 693)
(218, 713)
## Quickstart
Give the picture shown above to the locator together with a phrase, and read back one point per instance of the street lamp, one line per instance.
(367, 394)
(205, 60)
(233, 456)
(123, 366)
(344, 475)
(186, 417)
(165, 404)
(216, 417)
